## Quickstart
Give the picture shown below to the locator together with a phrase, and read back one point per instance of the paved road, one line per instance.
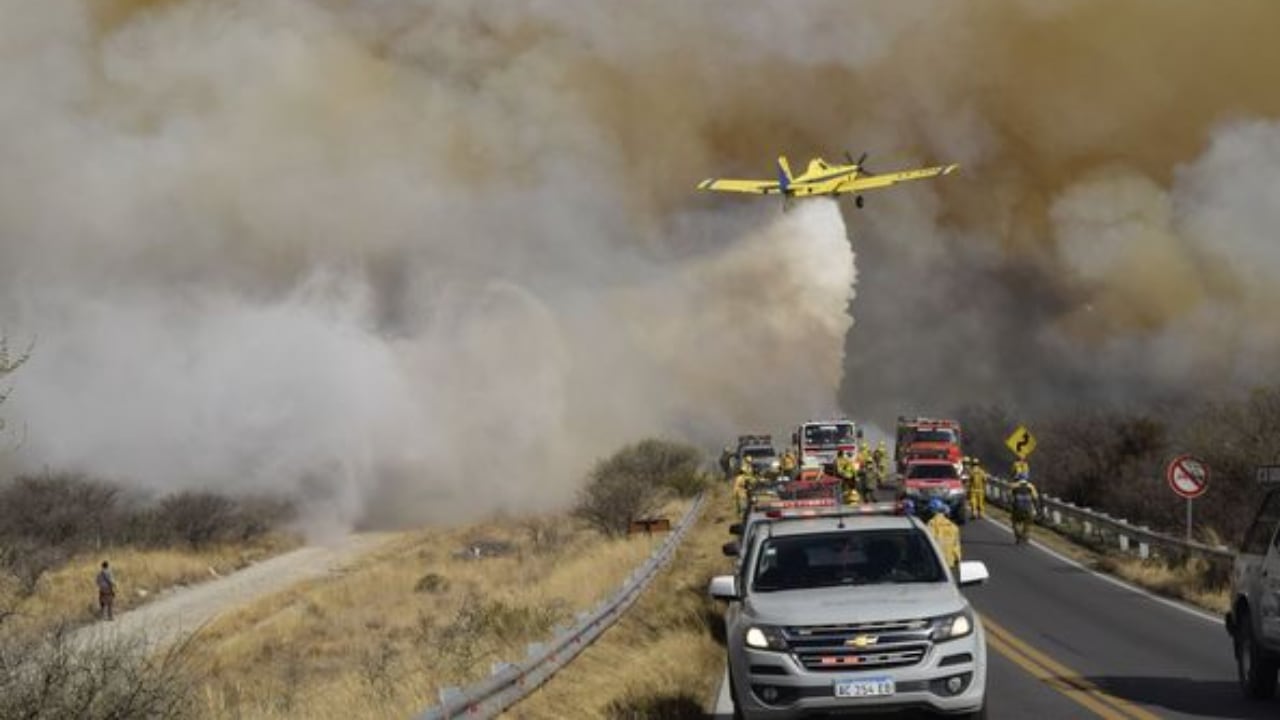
(1067, 644)
(1142, 657)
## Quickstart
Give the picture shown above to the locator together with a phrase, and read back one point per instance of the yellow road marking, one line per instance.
(1060, 677)
(1070, 691)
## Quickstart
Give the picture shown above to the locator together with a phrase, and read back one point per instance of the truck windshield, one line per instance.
(935, 435)
(757, 453)
(940, 471)
(828, 435)
(867, 557)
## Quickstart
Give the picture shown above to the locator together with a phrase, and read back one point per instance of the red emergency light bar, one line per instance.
(830, 509)
(803, 503)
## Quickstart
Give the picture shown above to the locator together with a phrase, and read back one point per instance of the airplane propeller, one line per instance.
(857, 200)
(861, 159)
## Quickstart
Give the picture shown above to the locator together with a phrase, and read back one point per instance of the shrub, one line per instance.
(46, 519)
(635, 481)
(53, 676)
(431, 583)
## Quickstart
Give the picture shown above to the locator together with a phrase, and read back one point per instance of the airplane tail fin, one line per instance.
(784, 173)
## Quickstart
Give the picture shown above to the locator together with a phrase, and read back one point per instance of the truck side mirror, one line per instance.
(735, 529)
(973, 573)
(724, 587)
(730, 549)
(795, 439)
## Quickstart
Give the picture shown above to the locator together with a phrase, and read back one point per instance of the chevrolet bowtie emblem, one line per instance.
(861, 641)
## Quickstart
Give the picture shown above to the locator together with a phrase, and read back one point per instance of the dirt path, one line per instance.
(178, 614)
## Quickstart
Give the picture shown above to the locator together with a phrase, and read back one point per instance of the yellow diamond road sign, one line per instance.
(1022, 443)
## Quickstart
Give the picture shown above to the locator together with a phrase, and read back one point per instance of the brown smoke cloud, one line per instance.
(419, 259)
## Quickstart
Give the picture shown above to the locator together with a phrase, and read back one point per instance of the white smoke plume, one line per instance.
(380, 261)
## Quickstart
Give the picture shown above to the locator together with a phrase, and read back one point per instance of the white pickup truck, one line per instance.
(1254, 618)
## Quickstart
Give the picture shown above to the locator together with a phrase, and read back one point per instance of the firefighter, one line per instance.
(788, 465)
(726, 462)
(977, 488)
(864, 472)
(743, 484)
(1024, 504)
(1021, 467)
(880, 458)
(847, 471)
(945, 533)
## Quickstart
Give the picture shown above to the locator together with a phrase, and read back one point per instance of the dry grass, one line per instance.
(68, 594)
(662, 659)
(1191, 580)
(382, 639)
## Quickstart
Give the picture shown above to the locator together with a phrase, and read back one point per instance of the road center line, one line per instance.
(1052, 681)
(1060, 677)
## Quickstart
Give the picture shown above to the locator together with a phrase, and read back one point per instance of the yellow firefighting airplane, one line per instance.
(822, 178)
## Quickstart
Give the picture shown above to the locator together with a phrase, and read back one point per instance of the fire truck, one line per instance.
(818, 442)
(923, 438)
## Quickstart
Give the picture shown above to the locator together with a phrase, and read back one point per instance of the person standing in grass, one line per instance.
(106, 591)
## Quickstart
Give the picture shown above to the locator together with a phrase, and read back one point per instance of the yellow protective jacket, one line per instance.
(948, 537)
(845, 467)
(978, 480)
(788, 462)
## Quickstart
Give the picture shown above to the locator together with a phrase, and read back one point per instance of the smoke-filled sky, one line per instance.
(423, 259)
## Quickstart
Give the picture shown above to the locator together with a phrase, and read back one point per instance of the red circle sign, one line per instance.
(1188, 476)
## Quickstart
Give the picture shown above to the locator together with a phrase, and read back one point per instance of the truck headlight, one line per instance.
(765, 637)
(954, 492)
(951, 627)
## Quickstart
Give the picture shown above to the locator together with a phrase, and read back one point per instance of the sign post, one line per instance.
(1188, 477)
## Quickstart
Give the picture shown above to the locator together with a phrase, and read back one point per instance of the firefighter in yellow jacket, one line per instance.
(742, 486)
(787, 466)
(977, 488)
(945, 533)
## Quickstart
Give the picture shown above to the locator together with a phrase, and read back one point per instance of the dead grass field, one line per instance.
(417, 615)
(67, 595)
(1189, 581)
(663, 658)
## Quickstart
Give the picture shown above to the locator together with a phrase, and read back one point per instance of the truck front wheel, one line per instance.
(1255, 669)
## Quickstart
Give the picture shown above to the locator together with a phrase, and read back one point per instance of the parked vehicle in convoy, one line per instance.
(1254, 619)
(850, 609)
(924, 480)
(924, 438)
(818, 442)
(760, 452)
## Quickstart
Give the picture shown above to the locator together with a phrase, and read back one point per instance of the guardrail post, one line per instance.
(1057, 517)
(1088, 529)
(1124, 543)
(1144, 550)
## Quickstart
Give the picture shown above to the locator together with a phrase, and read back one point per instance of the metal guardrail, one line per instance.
(509, 683)
(1108, 530)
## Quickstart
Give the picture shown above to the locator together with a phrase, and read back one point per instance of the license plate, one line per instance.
(867, 687)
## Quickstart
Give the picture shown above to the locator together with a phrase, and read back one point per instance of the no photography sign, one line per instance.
(1188, 476)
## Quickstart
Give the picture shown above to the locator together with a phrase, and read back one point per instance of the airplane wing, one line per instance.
(757, 187)
(872, 182)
